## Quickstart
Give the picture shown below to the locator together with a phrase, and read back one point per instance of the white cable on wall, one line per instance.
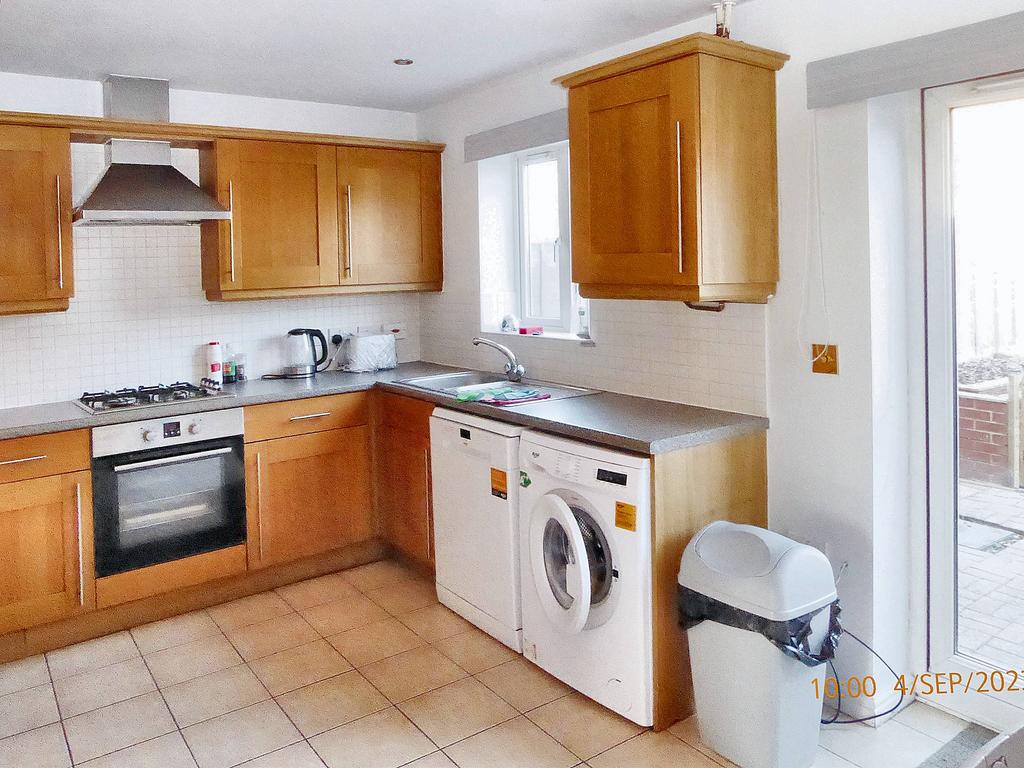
(812, 247)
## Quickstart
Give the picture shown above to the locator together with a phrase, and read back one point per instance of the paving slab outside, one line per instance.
(991, 574)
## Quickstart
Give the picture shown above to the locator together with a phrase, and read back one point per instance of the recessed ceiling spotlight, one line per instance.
(403, 62)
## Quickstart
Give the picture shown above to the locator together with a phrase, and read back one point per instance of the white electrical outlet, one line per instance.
(370, 328)
(398, 328)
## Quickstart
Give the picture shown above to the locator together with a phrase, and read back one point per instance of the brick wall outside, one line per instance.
(984, 443)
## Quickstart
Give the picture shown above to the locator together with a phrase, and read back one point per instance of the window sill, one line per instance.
(561, 337)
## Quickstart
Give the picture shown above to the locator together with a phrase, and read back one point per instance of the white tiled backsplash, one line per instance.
(654, 349)
(140, 316)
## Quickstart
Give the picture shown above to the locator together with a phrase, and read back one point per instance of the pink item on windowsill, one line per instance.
(531, 330)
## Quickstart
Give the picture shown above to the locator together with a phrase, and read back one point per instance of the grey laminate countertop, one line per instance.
(636, 424)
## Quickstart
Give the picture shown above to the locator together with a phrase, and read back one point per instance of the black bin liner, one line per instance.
(790, 637)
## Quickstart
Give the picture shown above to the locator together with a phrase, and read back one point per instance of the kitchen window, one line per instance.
(526, 253)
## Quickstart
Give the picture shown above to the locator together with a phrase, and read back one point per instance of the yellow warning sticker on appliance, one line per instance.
(625, 516)
(499, 483)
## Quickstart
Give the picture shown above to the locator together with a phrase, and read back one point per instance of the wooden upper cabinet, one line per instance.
(283, 231)
(35, 219)
(390, 201)
(315, 219)
(673, 173)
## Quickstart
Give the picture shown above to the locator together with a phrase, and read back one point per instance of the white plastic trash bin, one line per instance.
(756, 705)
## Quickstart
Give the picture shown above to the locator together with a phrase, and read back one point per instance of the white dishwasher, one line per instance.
(475, 477)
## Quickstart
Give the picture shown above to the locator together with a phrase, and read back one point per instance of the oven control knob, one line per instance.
(193, 428)
(148, 435)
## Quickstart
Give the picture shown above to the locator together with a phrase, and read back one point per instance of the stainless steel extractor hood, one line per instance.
(140, 186)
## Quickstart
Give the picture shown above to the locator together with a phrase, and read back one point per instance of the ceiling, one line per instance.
(337, 51)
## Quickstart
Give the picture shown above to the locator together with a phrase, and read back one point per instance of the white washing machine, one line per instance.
(585, 553)
(475, 478)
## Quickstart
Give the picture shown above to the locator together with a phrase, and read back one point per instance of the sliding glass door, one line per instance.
(974, 195)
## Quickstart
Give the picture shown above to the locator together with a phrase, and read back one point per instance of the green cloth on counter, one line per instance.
(499, 394)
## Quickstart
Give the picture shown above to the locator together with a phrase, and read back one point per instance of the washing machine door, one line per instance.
(559, 561)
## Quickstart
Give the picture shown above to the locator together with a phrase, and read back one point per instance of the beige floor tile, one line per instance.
(378, 574)
(25, 673)
(688, 732)
(475, 651)
(653, 750)
(344, 614)
(411, 673)
(434, 760)
(373, 642)
(514, 744)
(931, 721)
(167, 751)
(435, 622)
(241, 735)
(215, 694)
(267, 637)
(825, 759)
(522, 684)
(42, 748)
(893, 745)
(299, 755)
(323, 589)
(249, 610)
(332, 702)
(405, 596)
(582, 725)
(92, 654)
(456, 711)
(28, 709)
(287, 670)
(191, 660)
(382, 740)
(117, 726)
(100, 687)
(177, 630)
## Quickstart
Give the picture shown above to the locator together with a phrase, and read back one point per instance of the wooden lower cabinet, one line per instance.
(46, 541)
(308, 494)
(402, 475)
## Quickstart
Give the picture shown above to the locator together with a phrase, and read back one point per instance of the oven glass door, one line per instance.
(167, 503)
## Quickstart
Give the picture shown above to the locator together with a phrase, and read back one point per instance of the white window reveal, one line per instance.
(525, 245)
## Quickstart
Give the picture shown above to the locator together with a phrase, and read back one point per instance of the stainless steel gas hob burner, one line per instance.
(146, 397)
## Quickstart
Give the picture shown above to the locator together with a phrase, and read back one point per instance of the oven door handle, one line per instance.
(181, 459)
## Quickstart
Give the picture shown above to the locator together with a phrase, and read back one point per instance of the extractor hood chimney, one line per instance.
(140, 186)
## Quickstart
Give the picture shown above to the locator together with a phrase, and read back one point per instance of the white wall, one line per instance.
(830, 481)
(139, 314)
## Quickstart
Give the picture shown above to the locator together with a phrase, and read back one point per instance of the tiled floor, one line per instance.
(361, 669)
(991, 579)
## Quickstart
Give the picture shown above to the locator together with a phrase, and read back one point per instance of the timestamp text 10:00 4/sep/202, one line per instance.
(925, 684)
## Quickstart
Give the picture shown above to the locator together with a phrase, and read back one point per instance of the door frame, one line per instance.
(1004, 711)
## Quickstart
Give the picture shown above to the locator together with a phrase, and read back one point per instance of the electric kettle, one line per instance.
(301, 359)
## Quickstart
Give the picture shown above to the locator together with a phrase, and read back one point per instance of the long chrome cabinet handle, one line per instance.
(23, 461)
(679, 191)
(60, 241)
(310, 416)
(231, 229)
(259, 500)
(182, 459)
(348, 230)
(81, 546)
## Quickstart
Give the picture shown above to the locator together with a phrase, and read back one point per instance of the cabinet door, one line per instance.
(35, 217)
(308, 494)
(634, 177)
(46, 549)
(390, 204)
(404, 491)
(284, 227)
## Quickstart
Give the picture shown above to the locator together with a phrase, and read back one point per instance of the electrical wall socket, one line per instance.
(370, 328)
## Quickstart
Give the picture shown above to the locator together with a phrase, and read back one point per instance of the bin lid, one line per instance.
(757, 570)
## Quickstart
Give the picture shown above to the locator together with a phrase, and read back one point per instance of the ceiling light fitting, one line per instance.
(403, 62)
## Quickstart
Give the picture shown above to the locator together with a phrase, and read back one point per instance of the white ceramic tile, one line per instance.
(168, 751)
(100, 687)
(176, 630)
(931, 721)
(893, 744)
(92, 654)
(120, 725)
(42, 748)
(241, 735)
(22, 674)
(28, 709)
(135, 283)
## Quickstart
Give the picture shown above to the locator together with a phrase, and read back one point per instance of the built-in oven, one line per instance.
(164, 489)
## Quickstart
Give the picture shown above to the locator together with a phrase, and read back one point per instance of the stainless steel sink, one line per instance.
(456, 384)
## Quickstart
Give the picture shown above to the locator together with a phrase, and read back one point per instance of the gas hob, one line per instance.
(147, 397)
